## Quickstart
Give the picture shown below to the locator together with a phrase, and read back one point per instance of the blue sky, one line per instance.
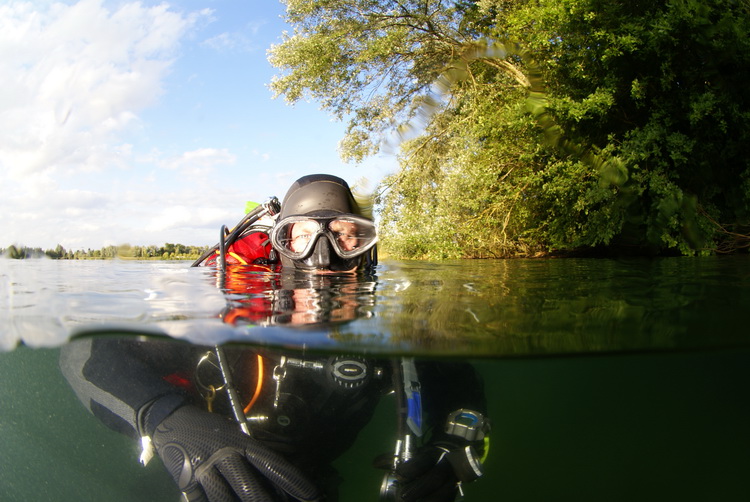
(148, 122)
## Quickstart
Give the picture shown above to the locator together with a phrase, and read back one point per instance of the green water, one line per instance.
(606, 380)
(617, 428)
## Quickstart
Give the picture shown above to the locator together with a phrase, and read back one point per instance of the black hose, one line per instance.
(223, 249)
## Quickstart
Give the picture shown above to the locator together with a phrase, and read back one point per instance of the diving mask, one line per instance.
(350, 235)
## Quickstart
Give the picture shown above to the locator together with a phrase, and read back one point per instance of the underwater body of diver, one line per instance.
(244, 423)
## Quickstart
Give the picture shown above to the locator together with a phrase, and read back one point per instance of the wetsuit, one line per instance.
(312, 414)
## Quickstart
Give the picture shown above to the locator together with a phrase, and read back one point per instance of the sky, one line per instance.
(149, 122)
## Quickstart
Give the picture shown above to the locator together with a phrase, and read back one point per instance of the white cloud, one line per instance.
(190, 216)
(234, 42)
(74, 75)
(75, 79)
(223, 41)
(201, 158)
(264, 157)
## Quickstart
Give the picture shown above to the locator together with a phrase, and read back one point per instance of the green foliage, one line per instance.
(546, 125)
(660, 87)
(366, 61)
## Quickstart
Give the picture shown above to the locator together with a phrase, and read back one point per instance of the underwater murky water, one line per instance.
(660, 413)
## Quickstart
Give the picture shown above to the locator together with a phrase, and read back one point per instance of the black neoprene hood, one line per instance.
(317, 194)
(320, 195)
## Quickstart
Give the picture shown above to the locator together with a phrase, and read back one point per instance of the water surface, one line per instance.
(488, 308)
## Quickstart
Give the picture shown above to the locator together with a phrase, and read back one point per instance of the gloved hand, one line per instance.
(433, 473)
(211, 459)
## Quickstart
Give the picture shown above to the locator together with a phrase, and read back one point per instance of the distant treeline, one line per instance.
(166, 252)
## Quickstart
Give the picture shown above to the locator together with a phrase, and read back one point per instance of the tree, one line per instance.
(660, 88)
(14, 253)
(366, 61)
(564, 124)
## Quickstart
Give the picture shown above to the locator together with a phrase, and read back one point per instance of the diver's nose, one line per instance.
(321, 255)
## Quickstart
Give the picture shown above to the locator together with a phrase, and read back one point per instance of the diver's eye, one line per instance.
(346, 241)
(299, 242)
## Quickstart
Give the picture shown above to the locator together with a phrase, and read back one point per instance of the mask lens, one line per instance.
(350, 236)
(295, 237)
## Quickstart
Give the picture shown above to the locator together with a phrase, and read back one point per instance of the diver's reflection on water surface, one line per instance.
(267, 424)
(295, 299)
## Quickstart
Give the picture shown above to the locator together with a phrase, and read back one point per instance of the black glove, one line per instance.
(211, 459)
(433, 473)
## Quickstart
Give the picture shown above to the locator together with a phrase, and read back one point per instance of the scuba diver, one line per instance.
(240, 423)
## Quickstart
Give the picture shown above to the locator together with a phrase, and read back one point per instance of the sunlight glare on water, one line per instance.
(44, 301)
